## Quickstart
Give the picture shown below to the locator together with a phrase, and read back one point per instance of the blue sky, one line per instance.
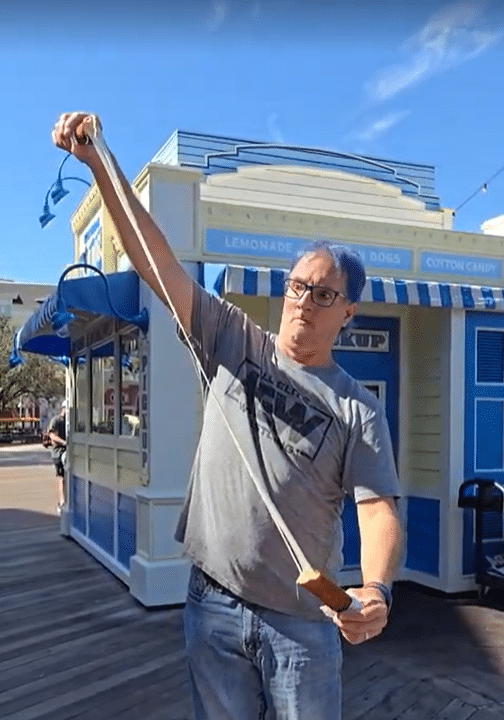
(412, 81)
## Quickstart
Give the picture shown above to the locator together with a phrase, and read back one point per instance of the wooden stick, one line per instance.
(325, 589)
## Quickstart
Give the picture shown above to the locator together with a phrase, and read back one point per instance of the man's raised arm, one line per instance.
(174, 278)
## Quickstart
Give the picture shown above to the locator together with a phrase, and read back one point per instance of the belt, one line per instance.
(214, 583)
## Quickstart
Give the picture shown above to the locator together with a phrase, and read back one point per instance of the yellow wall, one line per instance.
(114, 467)
(423, 423)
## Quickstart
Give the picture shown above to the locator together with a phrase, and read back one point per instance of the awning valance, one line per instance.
(48, 330)
(268, 282)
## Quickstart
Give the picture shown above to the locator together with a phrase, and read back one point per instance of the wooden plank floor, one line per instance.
(75, 644)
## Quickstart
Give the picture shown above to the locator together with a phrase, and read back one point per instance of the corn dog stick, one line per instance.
(327, 591)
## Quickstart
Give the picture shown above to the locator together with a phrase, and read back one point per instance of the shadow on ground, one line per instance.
(19, 519)
(448, 650)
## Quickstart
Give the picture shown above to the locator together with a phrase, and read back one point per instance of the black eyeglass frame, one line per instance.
(311, 288)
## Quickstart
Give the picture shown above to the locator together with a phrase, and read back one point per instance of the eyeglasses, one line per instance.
(322, 296)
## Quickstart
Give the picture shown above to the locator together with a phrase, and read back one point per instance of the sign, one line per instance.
(144, 413)
(229, 242)
(384, 257)
(468, 265)
(363, 341)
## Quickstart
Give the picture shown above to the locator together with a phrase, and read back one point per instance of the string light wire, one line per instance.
(482, 188)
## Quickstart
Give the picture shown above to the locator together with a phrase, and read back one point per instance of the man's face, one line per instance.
(306, 324)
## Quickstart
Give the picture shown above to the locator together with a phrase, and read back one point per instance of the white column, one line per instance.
(451, 514)
(170, 408)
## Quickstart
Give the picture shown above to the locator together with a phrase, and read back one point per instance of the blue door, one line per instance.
(484, 426)
(370, 354)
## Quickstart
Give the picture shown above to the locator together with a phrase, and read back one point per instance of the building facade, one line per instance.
(18, 301)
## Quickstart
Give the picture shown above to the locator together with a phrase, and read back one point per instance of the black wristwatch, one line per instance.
(384, 589)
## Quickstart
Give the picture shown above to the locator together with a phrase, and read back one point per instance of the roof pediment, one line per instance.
(316, 191)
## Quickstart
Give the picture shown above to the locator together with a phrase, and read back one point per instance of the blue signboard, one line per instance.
(229, 242)
(470, 266)
(384, 257)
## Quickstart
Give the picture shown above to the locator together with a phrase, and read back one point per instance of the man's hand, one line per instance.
(56, 440)
(64, 135)
(357, 626)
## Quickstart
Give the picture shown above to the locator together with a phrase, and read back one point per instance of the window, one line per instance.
(490, 356)
(129, 383)
(102, 389)
(81, 373)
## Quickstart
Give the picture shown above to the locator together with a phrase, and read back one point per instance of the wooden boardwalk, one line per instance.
(75, 644)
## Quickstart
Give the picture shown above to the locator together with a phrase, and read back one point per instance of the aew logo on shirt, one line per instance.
(279, 411)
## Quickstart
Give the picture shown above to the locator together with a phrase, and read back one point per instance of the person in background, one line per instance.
(57, 435)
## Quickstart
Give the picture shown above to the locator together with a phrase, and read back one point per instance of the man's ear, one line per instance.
(351, 309)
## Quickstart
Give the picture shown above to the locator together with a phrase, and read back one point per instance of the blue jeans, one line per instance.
(250, 663)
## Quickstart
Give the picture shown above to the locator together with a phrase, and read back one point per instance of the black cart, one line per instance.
(484, 496)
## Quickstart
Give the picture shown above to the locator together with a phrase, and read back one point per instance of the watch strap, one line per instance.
(384, 589)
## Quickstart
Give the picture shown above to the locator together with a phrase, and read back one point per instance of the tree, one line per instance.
(37, 377)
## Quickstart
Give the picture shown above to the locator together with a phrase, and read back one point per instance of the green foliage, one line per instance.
(37, 377)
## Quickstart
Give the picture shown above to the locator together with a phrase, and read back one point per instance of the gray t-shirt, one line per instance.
(309, 434)
(57, 425)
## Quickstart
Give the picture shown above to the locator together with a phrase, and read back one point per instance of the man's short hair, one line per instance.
(345, 259)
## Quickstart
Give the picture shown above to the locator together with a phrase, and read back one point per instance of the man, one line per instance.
(57, 435)
(258, 645)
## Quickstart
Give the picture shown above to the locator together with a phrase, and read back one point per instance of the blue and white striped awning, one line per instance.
(268, 282)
